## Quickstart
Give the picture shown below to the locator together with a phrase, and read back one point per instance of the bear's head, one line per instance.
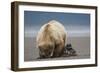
(46, 50)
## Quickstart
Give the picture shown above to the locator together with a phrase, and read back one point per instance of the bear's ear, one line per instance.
(40, 46)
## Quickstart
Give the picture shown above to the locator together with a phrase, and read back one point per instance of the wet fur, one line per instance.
(51, 39)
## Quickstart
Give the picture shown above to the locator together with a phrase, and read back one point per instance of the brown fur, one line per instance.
(51, 40)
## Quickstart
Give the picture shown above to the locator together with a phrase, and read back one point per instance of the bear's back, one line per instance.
(53, 29)
(56, 29)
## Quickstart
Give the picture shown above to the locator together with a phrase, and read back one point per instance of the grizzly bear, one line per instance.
(51, 39)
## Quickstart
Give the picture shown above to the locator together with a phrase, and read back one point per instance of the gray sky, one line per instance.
(76, 24)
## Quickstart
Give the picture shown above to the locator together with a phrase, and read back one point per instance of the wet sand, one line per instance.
(80, 44)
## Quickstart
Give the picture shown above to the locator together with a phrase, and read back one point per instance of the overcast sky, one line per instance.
(76, 24)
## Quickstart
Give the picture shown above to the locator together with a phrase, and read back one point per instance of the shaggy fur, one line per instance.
(51, 39)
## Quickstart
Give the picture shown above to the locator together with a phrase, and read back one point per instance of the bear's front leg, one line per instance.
(59, 50)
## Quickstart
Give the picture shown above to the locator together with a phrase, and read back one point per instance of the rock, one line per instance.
(69, 51)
